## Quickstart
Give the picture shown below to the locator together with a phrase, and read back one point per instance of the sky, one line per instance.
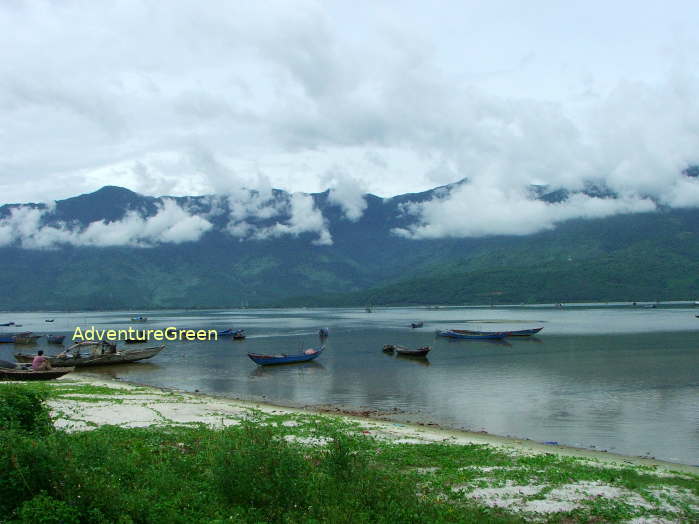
(190, 98)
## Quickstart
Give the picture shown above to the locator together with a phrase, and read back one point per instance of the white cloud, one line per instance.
(171, 224)
(470, 210)
(304, 217)
(347, 192)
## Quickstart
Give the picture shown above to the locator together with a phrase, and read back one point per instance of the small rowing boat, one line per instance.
(11, 371)
(417, 324)
(402, 350)
(451, 333)
(270, 360)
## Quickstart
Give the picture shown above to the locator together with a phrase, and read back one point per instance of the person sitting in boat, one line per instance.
(40, 362)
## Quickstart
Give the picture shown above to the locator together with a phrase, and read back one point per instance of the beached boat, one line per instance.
(450, 333)
(407, 352)
(55, 339)
(417, 324)
(517, 333)
(26, 338)
(270, 360)
(21, 373)
(95, 354)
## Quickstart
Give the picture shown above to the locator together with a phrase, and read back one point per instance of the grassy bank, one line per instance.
(292, 467)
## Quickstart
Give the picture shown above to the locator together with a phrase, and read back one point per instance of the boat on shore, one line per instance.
(21, 373)
(406, 352)
(516, 333)
(271, 360)
(451, 333)
(95, 354)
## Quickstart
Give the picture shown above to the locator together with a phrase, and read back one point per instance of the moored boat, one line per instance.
(55, 339)
(270, 360)
(26, 338)
(407, 352)
(139, 319)
(323, 332)
(22, 373)
(239, 335)
(95, 354)
(9, 338)
(516, 333)
(417, 324)
(450, 333)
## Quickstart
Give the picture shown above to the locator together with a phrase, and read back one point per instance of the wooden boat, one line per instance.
(55, 339)
(517, 333)
(417, 324)
(450, 333)
(30, 374)
(26, 338)
(270, 360)
(407, 352)
(95, 354)
(9, 338)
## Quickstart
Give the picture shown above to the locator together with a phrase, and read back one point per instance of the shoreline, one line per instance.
(381, 425)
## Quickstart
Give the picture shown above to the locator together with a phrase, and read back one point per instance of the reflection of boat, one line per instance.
(55, 339)
(310, 367)
(517, 333)
(139, 319)
(98, 353)
(29, 374)
(26, 338)
(407, 352)
(451, 333)
(417, 324)
(269, 360)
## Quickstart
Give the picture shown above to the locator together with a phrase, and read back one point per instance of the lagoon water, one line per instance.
(623, 379)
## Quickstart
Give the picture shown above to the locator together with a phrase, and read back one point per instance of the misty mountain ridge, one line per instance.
(118, 249)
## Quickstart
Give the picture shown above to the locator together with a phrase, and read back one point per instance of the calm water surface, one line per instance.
(621, 379)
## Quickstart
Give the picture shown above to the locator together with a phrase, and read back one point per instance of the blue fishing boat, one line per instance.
(271, 360)
(9, 338)
(517, 333)
(451, 333)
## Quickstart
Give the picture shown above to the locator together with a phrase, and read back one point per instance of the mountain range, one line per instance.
(116, 249)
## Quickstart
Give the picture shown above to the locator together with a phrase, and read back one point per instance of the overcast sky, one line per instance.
(186, 97)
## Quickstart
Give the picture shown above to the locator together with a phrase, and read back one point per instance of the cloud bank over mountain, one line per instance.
(314, 95)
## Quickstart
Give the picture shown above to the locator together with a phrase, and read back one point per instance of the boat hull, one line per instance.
(274, 360)
(120, 357)
(466, 336)
(407, 352)
(517, 333)
(28, 374)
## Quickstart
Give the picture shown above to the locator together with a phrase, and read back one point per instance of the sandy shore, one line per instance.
(141, 406)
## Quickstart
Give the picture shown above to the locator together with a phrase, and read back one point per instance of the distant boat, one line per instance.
(55, 339)
(6, 324)
(270, 360)
(517, 333)
(402, 350)
(451, 333)
(235, 333)
(139, 319)
(417, 324)
(323, 332)
(95, 354)
(49, 320)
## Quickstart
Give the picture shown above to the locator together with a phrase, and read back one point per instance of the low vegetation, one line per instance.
(298, 468)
